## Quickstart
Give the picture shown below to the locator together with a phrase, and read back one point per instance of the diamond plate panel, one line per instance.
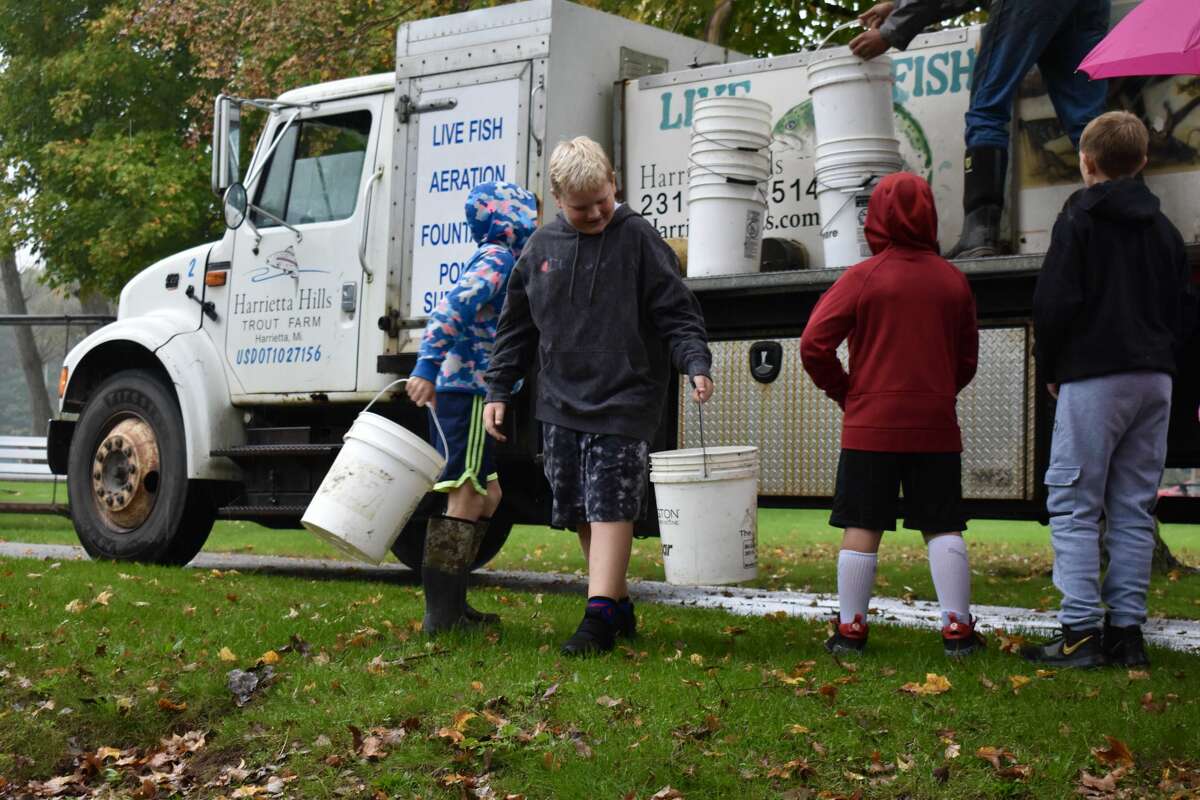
(798, 429)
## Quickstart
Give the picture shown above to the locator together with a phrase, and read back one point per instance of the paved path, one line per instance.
(1183, 635)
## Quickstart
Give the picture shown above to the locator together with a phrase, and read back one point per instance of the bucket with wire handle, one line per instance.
(379, 477)
(707, 512)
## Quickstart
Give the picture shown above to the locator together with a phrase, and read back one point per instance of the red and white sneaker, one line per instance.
(960, 638)
(850, 637)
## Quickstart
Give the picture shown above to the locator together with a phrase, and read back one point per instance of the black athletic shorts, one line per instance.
(869, 485)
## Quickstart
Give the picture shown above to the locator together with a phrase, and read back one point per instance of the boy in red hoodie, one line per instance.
(910, 319)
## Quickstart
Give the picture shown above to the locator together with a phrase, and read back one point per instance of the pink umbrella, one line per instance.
(1158, 37)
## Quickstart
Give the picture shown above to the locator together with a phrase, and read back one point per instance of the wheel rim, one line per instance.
(125, 474)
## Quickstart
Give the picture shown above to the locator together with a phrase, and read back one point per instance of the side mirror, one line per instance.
(227, 121)
(235, 206)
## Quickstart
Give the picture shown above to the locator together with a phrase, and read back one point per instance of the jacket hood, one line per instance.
(901, 212)
(1123, 198)
(501, 213)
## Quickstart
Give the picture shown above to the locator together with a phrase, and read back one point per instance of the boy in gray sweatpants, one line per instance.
(1110, 309)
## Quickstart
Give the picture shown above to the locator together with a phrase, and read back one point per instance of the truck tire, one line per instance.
(409, 548)
(131, 499)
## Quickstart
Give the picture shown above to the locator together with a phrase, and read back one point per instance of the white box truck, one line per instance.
(234, 368)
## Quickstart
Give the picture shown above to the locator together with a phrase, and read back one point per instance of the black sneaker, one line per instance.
(961, 639)
(1080, 649)
(626, 619)
(594, 635)
(849, 637)
(1125, 646)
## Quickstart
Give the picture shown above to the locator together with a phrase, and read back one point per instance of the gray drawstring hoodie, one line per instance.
(604, 353)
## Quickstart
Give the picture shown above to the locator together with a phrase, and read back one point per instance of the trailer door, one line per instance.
(464, 128)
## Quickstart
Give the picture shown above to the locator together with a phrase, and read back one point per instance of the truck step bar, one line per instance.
(246, 512)
(271, 450)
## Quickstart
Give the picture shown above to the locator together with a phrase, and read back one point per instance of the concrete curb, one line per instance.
(1181, 635)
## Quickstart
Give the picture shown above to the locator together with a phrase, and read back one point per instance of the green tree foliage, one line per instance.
(102, 178)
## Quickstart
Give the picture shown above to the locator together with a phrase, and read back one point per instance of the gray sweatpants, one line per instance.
(1106, 457)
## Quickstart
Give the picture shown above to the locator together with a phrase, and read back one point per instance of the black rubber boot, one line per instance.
(984, 171)
(471, 613)
(626, 618)
(1078, 648)
(444, 573)
(1125, 646)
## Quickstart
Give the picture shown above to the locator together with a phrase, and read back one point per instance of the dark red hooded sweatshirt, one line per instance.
(910, 318)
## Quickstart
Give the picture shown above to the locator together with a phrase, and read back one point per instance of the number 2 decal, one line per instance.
(191, 268)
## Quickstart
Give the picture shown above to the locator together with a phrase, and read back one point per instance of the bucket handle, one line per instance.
(836, 29)
(703, 451)
(736, 181)
(850, 195)
(741, 148)
(432, 415)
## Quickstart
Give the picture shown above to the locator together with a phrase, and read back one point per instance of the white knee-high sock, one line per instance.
(951, 574)
(856, 578)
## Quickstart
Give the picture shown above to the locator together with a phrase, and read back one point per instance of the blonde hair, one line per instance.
(1117, 142)
(579, 165)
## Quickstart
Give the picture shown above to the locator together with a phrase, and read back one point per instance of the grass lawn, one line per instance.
(100, 662)
(797, 550)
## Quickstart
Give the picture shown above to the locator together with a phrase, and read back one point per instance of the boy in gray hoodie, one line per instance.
(598, 296)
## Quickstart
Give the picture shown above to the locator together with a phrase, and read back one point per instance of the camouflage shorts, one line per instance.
(595, 477)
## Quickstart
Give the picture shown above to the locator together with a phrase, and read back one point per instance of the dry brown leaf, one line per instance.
(269, 657)
(667, 793)
(1139, 675)
(582, 749)
(462, 718)
(102, 598)
(76, 606)
(1018, 682)
(609, 702)
(987, 683)
(1009, 643)
(1117, 752)
(952, 751)
(225, 654)
(934, 684)
(1046, 673)
(165, 704)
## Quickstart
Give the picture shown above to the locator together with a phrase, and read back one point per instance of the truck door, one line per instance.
(464, 128)
(291, 304)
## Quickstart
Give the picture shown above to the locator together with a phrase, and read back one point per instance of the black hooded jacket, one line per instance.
(1113, 294)
(607, 315)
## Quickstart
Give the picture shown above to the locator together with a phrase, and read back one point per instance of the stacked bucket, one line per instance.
(727, 193)
(856, 145)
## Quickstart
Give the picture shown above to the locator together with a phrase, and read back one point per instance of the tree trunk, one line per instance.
(31, 360)
(714, 32)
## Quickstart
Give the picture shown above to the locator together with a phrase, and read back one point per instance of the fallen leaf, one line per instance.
(225, 654)
(942, 774)
(269, 657)
(987, 683)
(165, 704)
(905, 763)
(952, 751)
(1139, 675)
(1009, 643)
(103, 598)
(1116, 753)
(609, 702)
(1018, 682)
(581, 747)
(1150, 706)
(667, 793)
(797, 730)
(934, 684)
(76, 606)
(1046, 673)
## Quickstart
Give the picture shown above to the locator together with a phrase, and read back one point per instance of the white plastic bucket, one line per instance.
(707, 514)
(733, 140)
(739, 163)
(843, 217)
(380, 475)
(748, 107)
(757, 132)
(851, 97)
(725, 225)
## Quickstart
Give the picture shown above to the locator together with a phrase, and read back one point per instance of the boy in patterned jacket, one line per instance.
(454, 356)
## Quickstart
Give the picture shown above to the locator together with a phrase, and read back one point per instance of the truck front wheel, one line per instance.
(131, 499)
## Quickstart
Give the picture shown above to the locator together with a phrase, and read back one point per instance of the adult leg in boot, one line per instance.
(444, 570)
(984, 171)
